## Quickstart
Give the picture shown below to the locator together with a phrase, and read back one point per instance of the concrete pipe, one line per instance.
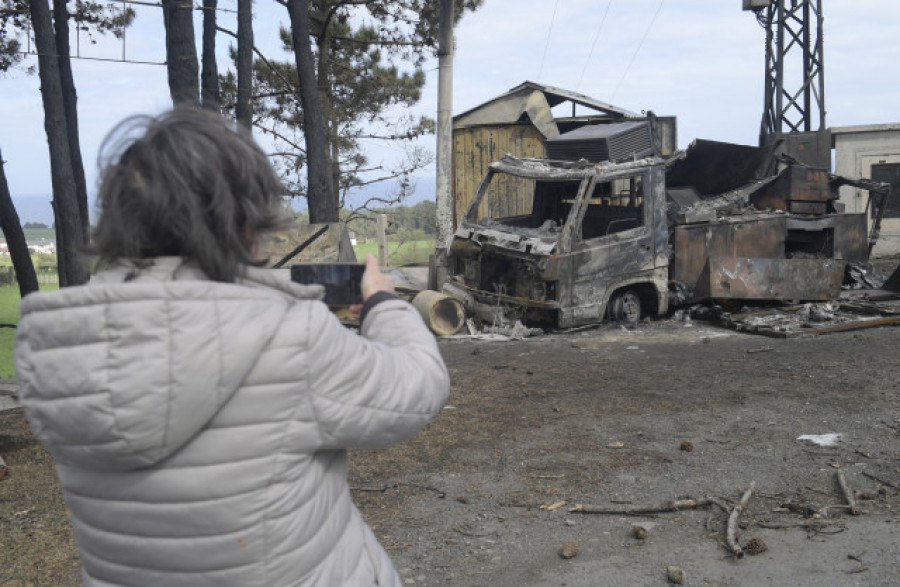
(443, 314)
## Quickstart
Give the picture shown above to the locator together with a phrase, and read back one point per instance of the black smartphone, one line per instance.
(342, 281)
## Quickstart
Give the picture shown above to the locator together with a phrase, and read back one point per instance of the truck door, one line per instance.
(618, 241)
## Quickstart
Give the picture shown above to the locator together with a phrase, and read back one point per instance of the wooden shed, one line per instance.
(518, 122)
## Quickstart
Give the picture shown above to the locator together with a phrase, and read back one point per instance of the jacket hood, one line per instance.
(120, 373)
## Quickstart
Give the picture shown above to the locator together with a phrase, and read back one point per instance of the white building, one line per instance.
(871, 151)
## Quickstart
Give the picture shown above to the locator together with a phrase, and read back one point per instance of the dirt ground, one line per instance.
(600, 418)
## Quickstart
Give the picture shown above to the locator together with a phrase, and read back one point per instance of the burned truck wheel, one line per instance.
(625, 307)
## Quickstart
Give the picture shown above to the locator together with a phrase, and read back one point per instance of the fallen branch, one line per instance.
(848, 494)
(638, 510)
(733, 545)
(381, 489)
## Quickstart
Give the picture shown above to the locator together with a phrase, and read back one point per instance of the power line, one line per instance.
(641, 44)
(547, 44)
(108, 59)
(594, 44)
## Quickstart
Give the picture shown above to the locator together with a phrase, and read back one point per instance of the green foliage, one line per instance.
(370, 57)
(402, 220)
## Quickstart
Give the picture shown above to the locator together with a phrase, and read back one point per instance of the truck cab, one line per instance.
(563, 243)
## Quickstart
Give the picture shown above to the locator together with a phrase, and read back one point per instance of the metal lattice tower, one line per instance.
(794, 98)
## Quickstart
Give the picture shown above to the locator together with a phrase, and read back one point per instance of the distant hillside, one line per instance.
(34, 209)
(36, 234)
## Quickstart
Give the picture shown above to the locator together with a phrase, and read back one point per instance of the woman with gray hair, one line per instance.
(198, 406)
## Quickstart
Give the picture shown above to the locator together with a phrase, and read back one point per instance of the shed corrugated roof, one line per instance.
(554, 96)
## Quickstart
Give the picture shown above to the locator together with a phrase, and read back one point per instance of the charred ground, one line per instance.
(598, 417)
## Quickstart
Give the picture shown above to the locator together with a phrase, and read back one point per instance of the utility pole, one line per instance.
(793, 118)
(443, 187)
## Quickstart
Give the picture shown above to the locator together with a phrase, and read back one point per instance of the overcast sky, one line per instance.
(699, 60)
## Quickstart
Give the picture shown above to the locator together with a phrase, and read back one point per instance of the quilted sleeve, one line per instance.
(377, 388)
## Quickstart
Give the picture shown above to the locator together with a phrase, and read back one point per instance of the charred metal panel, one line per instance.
(715, 168)
(798, 189)
(693, 245)
(775, 279)
(509, 275)
(601, 266)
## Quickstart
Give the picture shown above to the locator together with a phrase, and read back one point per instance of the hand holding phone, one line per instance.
(346, 284)
(343, 282)
(374, 280)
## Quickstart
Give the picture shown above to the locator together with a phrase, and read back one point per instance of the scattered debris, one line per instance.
(733, 544)
(830, 439)
(553, 506)
(675, 575)
(687, 445)
(848, 494)
(639, 532)
(4, 470)
(764, 349)
(756, 545)
(860, 275)
(616, 445)
(517, 331)
(790, 321)
(569, 549)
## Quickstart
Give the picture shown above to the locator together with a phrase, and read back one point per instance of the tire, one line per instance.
(625, 307)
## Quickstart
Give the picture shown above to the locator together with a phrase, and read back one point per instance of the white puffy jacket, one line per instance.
(199, 428)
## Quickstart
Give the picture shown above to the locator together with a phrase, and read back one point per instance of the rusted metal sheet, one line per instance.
(798, 189)
(838, 236)
(774, 279)
(756, 237)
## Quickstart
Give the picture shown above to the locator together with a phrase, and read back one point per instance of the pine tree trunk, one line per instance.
(73, 269)
(331, 124)
(15, 239)
(319, 196)
(70, 101)
(244, 107)
(181, 52)
(209, 75)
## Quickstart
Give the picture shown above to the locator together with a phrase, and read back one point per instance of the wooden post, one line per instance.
(381, 227)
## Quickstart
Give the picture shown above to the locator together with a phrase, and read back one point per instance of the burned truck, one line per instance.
(572, 241)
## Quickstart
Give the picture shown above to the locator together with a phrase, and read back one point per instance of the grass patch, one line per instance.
(9, 314)
(409, 252)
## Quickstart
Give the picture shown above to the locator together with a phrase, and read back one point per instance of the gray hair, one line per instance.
(185, 183)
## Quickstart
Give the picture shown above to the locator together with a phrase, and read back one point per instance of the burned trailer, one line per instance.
(563, 243)
(781, 238)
